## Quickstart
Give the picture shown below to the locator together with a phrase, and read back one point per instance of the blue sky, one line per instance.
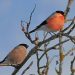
(12, 12)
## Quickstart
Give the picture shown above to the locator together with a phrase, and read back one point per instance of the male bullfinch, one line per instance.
(54, 22)
(16, 56)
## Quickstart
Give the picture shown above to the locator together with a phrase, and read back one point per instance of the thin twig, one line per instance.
(68, 20)
(69, 51)
(53, 47)
(73, 20)
(72, 38)
(71, 29)
(27, 68)
(38, 64)
(71, 67)
(30, 18)
(47, 57)
(60, 53)
(68, 7)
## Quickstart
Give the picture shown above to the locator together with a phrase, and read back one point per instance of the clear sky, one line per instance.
(12, 12)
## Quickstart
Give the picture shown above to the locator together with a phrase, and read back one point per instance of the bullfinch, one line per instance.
(54, 22)
(16, 56)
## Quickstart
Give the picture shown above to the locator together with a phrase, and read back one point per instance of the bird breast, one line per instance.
(56, 23)
(17, 55)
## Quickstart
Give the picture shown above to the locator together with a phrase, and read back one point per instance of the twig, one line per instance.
(26, 33)
(73, 20)
(46, 67)
(71, 29)
(42, 67)
(27, 68)
(68, 7)
(69, 51)
(47, 64)
(30, 18)
(71, 68)
(25, 30)
(47, 57)
(53, 47)
(60, 53)
(45, 35)
(38, 64)
(72, 38)
(68, 20)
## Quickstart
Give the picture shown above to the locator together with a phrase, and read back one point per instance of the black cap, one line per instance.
(60, 12)
(25, 45)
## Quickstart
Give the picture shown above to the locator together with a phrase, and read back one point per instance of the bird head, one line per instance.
(61, 12)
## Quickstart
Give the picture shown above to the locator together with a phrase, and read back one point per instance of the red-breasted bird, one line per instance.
(54, 22)
(16, 56)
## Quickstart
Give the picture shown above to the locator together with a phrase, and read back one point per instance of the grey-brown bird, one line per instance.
(16, 56)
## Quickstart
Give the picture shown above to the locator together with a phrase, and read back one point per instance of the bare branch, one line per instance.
(26, 34)
(30, 18)
(69, 51)
(25, 30)
(53, 47)
(27, 68)
(72, 38)
(60, 53)
(68, 7)
(38, 64)
(71, 68)
(35, 48)
(73, 20)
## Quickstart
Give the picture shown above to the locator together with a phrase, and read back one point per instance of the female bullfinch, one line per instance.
(16, 56)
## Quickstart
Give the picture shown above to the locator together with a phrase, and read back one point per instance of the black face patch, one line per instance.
(25, 45)
(61, 12)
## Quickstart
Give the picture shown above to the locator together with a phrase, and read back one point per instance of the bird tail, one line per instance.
(2, 63)
(33, 30)
(6, 64)
(39, 27)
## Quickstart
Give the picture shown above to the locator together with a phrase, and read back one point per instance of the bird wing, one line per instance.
(6, 59)
(43, 23)
(51, 16)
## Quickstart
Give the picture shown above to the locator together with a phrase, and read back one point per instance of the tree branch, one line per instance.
(27, 68)
(71, 68)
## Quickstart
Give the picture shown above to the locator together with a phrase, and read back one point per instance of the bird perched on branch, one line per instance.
(16, 56)
(54, 22)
